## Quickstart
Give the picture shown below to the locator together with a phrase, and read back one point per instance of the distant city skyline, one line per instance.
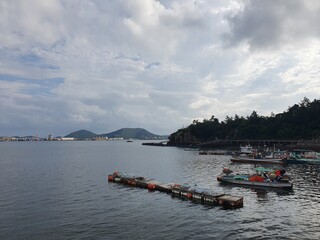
(51, 136)
(158, 65)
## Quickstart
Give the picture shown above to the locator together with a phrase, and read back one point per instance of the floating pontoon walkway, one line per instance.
(195, 194)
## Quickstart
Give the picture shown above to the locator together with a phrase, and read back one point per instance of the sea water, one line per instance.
(59, 190)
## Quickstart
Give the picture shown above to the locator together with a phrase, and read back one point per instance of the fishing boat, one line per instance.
(240, 159)
(252, 160)
(246, 149)
(270, 157)
(301, 156)
(214, 152)
(191, 149)
(264, 177)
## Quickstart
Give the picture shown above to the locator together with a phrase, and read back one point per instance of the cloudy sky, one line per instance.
(104, 65)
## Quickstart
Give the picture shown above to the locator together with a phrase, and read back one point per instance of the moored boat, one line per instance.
(264, 157)
(240, 159)
(300, 156)
(214, 152)
(246, 149)
(263, 177)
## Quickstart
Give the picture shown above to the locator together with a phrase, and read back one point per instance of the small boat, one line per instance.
(263, 177)
(246, 149)
(191, 149)
(253, 160)
(270, 157)
(300, 156)
(213, 152)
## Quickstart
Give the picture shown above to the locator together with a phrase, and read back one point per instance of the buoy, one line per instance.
(110, 178)
(151, 186)
(132, 183)
(227, 201)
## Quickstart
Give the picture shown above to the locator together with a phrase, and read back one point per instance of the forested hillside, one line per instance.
(300, 121)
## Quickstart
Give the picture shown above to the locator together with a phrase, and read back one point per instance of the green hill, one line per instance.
(299, 122)
(135, 133)
(126, 133)
(82, 134)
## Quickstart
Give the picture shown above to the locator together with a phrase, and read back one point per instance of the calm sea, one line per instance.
(59, 190)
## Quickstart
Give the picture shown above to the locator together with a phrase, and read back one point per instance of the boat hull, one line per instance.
(254, 161)
(303, 161)
(283, 185)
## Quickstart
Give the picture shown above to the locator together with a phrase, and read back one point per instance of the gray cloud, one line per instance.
(101, 66)
(272, 24)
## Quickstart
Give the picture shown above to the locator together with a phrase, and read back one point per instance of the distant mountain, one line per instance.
(135, 133)
(82, 134)
(126, 133)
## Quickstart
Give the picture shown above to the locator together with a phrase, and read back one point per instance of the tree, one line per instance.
(300, 121)
(305, 102)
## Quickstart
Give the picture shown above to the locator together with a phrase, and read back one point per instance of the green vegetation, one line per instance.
(301, 121)
(82, 135)
(126, 133)
(134, 133)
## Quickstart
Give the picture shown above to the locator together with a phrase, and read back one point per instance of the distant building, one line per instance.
(67, 139)
(116, 138)
(99, 138)
(50, 138)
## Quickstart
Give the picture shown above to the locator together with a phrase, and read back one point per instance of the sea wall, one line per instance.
(262, 144)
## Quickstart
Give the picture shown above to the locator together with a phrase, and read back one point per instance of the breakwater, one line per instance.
(258, 143)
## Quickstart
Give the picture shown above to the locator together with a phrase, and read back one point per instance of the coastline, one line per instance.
(271, 144)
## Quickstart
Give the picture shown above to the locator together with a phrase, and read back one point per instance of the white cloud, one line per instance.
(70, 65)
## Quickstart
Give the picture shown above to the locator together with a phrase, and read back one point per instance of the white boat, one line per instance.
(246, 149)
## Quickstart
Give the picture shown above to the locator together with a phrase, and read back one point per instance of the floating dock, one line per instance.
(192, 193)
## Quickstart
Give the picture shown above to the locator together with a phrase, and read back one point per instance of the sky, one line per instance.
(104, 65)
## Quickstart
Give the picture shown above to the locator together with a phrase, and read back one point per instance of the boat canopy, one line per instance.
(262, 169)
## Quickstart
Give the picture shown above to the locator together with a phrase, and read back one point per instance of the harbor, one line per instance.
(72, 194)
(185, 191)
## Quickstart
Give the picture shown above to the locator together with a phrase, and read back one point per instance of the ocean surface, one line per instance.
(59, 190)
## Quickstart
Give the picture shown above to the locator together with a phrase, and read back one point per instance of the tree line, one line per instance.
(299, 122)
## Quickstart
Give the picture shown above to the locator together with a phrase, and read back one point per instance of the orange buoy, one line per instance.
(110, 178)
(132, 183)
(151, 186)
